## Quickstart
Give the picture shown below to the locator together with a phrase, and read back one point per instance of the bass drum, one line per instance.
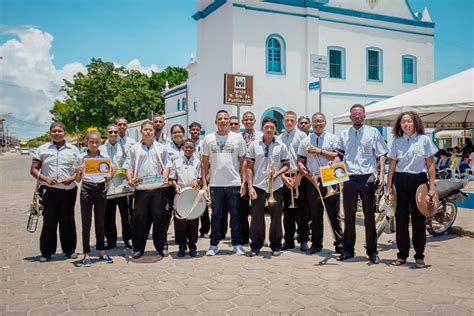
(118, 187)
(190, 203)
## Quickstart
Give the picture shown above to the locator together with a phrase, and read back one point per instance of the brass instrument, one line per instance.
(295, 192)
(36, 209)
(270, 179)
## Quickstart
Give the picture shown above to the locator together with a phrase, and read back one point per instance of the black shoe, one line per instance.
(181, 253)
(304, 246)
(374, 258)
(45, 258)
(346, 255)
(193, 252)
(253, 253)
(137, 254)
(339, 249)
(72, 255)
(287, 246)
(312, 250)
(110, 246)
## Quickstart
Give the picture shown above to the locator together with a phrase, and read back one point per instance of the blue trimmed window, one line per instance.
(374, 64)
(337, 62)
(275, 55)
(178, 105)
(408, 69)
(183, 104)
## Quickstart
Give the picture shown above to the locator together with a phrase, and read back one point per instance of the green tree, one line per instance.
(106, 92)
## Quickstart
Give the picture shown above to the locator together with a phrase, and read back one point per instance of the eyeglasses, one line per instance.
(112, 132)
(234, 124)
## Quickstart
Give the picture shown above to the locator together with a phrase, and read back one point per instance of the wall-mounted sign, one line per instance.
(238, 89)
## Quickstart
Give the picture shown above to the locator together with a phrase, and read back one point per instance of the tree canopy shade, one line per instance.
(107, 92)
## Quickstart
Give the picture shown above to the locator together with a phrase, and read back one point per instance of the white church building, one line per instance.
(376, 49)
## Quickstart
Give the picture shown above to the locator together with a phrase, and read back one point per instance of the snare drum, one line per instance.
(118, 187)
(190, 203)
(151, 183)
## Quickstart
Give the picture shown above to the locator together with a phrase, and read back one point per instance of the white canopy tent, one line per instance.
(444, 104)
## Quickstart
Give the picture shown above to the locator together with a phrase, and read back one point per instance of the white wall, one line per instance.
(171, 102)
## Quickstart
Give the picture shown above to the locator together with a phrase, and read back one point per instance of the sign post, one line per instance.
(238, 90)
(319, 68)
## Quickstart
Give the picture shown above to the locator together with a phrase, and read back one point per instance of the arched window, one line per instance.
(374, 64)
(178, 106)
(183, 104)
(408, 69)
(275, 55)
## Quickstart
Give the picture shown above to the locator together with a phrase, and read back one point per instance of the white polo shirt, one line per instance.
(326, 141)
(251, 136)
(174, 151)
(262, 154)
(410, 152)
(58, 162)
(126, 141)
(224, 153)
(116, 153)
(143, 160)
(186, 171)
(292, 141)
(361, 148)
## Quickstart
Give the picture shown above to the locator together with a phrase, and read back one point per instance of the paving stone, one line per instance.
(386, 311)
(438, 298)
(151, 306)
(88, 304)
(192, 290)
(125, 300)
(186, 300)
(250, 311)
(178, 311)
(348, 307)
(250, 300)
(25, 306)
(449, 310)
(54, 309)
(158, 295)
(43, 294)
(376, 300)
(215, 306)
(282, 307)
(312, 312)
(414, 305)
(115, 311)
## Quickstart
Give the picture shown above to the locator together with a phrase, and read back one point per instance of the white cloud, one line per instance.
(30, 82)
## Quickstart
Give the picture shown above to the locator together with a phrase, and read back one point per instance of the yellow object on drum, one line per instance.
(190, 203)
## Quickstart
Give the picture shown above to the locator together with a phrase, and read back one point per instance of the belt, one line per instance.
(358, 176)
(93, 184)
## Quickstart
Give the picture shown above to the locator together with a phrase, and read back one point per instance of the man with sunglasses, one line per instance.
(362, 145)
(122, 137)
(117, 153)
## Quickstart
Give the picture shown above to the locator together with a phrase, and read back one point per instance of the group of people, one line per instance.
(240, 172)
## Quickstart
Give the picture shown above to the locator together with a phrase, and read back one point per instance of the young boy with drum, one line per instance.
(93, 195)
(185, 173)
(147, 170)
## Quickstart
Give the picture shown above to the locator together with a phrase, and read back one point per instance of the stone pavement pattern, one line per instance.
(226, 284)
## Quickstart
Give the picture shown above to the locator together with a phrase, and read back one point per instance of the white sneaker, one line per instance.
(212, 251)
(239, 250)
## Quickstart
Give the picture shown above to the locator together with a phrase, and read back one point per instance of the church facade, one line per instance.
(376, 49)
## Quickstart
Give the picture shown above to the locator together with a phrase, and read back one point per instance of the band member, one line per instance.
(147, 162)
(292, 137)
(117, 154)
(223, 151)
(93, 196)
(234, 124)
(249, 134)
(362, 146)
(323, 145)
(54, 165)
(412, 156)
(186, 172)
(122, 137)
(174, 147)
(159, 124)
(195, 133)
(265, 156)
(304, 124)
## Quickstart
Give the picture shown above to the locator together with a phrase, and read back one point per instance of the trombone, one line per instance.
(270, 179)
(295, 192)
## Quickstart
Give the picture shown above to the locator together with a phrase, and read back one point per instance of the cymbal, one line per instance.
(425, 208)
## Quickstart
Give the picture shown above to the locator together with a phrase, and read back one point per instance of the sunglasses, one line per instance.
(112, 132)
(361, 114)
(234, 124)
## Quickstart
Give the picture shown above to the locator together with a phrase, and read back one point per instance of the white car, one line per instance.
(12, 150)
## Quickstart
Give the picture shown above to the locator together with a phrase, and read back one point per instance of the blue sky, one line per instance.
(153, 34)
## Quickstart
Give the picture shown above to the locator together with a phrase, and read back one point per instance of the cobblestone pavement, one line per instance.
(226, 284)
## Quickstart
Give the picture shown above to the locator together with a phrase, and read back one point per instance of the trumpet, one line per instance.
(270, 179)
(295, 192)
(330, 190)
(36, 209)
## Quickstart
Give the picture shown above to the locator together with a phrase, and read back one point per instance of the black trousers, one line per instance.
(244, 212)
(363, 186)
(406, 185)
(205, 222)
(93, 198)
(58, 209)
(295, 215)
(111, 226)
(186, 232)
(316, 210)
(149, 204)
(257, 225)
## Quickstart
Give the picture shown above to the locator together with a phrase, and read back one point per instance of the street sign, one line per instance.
(314, 85)
(238, 89)
(319, 66)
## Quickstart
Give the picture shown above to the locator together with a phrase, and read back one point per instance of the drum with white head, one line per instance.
(190, 203)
